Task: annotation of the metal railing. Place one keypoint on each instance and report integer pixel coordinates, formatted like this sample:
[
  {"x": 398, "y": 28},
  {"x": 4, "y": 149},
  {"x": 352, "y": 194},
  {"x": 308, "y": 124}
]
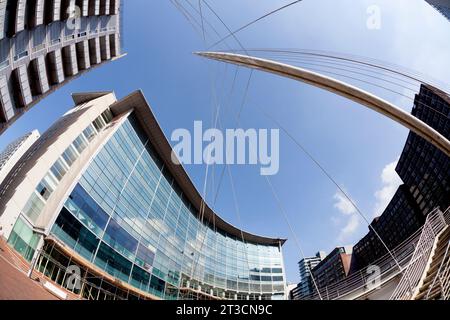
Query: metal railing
[
  {"x": 443, "y": 274},
  {"x": 69, "y": 37},
  {"x": 416, "y": 268},
  {"x": 357, "y": 283},
  {"x": 39, "y": 47},
  {"x": 21, "y": 55},
  {"x": 445, "y": 278},
  {"x": 55, "y": 41},
  {"x": 4, "y": 64}
]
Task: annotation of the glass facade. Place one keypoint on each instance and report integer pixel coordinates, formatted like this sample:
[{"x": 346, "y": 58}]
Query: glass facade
[
  {"x": 23, "y": 240},
  {"x": 44, "y": 190},
  {"x": 128, "y": 216}
]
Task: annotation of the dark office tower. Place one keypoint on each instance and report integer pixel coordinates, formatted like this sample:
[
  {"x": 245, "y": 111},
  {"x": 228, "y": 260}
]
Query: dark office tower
[
  {"x": 333, "y": 267},
  {"x": 443, "y": 6},
  {"x": 424, "y": 169},
  {"x": 400, "y": 219},
  {"x": 46, "y": 43}
]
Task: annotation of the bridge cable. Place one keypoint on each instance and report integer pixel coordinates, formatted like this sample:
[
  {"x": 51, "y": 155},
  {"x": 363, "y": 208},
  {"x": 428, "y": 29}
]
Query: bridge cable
[{"x": 232, "y": 33}]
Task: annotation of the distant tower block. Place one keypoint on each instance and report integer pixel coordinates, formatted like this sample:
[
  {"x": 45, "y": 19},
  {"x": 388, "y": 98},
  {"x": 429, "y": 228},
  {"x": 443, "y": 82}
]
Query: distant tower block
[{"x": 42, "y": 47}]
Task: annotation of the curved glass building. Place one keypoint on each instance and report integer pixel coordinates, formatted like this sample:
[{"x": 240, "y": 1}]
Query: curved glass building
[{"x": 98, "y": 193}]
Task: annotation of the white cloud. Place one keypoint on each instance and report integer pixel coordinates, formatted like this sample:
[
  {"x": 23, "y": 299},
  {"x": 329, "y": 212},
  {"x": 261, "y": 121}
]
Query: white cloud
[
  {"x": 349, "y": 212},
  {"x": 350, "y": 228},
  {"x": 343, "y": 204},
  {"x": 390, "y": 183}
]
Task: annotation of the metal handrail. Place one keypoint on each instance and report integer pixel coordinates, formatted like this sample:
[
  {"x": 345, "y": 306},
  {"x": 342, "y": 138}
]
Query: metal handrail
[
  {"x": 358, "y": 280},
  {"x": 389, "y": 269},
  {"x": 445, "y": 280},
  {"x": 442, "y": 271},
  {"x": 39, "y": 47},
  {"x": 4, "y": 64},
  {"x": 413, "y": 274},
  {"x": 21, "y": 55}
]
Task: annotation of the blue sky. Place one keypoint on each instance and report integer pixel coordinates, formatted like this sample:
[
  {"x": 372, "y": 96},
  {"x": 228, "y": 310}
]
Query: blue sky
[{"x": 357, "y": 146}]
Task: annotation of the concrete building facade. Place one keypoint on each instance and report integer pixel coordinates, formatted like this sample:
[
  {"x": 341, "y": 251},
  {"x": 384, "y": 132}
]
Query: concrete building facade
[
  {"x": 46, "y": 43},
  {"x": 14, "y": 151},
  {"x": 306, "y": 286},
  {"x": 443, "y": 6}
]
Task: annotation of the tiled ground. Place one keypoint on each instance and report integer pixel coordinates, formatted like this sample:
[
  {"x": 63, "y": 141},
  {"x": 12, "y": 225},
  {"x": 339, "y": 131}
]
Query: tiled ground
[{"x": 14, "y": 284}]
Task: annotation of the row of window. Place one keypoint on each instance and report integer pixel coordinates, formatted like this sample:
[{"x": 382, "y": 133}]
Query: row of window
[{"x": 48, "y": 184}]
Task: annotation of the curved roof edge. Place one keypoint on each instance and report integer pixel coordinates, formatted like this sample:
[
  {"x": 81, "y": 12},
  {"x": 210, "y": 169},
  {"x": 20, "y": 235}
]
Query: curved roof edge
[{"x": 150, "y": 125}]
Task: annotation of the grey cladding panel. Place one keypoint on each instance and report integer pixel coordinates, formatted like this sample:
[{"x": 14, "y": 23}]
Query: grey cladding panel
[
  {"x": 105, "y": 48},
  {"x": 94, "y": 7},
  {"x": 94, "y": 49},
  {"x": 56, "y": 66},
  {"x": 41, "y": 72},
  {"x": 56, "y": 13},
  {"x": 24, "y": 84},
  {"x": 70, "y": 60},
  {"x": 115, "y": 45},
  {"x": 5, "y": 99},
  {"x": 84, "y": 61},
  {"x": 39, "y": 12},
  {"x": 105, "y": 7},
  {"x": 115, "y": 5},
  {"x": 20, "y": 15},
  {"x": 2, "y": 18}
]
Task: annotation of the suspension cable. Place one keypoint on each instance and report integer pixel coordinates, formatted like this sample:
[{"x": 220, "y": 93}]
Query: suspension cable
[
  {"x": 225, "y": 25},
  {"x": 232, "y": 33},
  {"x": 330, "y": 177},
  {"x": 285, "y": 216}
]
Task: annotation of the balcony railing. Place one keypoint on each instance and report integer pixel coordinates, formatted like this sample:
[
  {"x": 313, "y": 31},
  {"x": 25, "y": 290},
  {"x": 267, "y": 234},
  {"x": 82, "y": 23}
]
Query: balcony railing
[
  {"x": 38, "y": 48},
  {"x": 69, "y": 37},
  {"x": 21, "y": 55},
  {"x": 443, "y": 274},
  {"x": 356, "y": 284},
  {"x": 55, "y": 41},
  {"x": 412, "y": 276},
  {"x": 4, "y": 64},
  {"x": 445, "y": 277}
]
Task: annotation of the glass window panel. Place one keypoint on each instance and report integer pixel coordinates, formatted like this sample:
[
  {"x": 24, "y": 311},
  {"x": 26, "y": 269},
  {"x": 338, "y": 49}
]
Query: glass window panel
[
  {"x": 120, "y": 239},
  {"x": 70, "y": 155},
  {"x": 89, "y": 133},
  {"x": 80, "y": 143},
  {"x": 47, "y": 186},
  {"x": 34, "y": 207},
  {"x": 74, "y": 234},
  {"x": 59, "y": 169}
]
